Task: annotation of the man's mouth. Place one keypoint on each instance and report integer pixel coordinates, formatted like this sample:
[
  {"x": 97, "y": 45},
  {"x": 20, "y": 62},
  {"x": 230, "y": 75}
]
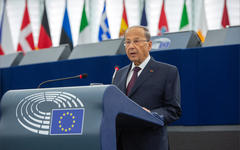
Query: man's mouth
[{"x": 132, "y": 53}]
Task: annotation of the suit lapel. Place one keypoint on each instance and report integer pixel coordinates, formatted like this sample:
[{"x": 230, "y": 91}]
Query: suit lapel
[
  {"x": 124, "y": 78},
  {"x": 146, "y": 74}
]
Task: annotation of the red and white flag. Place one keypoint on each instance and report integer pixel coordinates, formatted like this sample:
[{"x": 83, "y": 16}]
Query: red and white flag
[
  {"x": 225, "y": 19},
  {"x": 26, "y": 42},
  {"x": 162, "y": 25}
]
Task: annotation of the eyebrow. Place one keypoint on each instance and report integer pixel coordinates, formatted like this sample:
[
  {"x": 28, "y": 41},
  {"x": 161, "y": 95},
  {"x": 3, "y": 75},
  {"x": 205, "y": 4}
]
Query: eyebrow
[{"x": 137, "y": 38}]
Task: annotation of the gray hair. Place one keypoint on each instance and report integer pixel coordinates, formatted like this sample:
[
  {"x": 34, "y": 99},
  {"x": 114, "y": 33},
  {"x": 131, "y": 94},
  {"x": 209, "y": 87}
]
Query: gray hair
[{"x": 147, "y": 33}]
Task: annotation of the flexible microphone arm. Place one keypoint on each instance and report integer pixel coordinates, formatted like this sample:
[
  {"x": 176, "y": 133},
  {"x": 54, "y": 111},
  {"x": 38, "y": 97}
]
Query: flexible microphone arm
[{"x": 81, "y": 76}]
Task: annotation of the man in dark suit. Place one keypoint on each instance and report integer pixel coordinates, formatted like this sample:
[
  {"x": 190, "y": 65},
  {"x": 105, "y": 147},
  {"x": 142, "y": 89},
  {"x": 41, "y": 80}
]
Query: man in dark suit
[{"x": 153, "y": 85}]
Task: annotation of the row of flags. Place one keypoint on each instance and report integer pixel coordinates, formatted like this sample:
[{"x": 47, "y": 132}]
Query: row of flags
[
  {"x": 26, "y": 42},
  {"x": 202, "y": 28}
]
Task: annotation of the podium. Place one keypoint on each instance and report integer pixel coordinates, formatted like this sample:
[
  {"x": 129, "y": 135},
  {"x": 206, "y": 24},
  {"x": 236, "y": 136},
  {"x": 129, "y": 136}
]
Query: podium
[{"x": 82, "y": 117}]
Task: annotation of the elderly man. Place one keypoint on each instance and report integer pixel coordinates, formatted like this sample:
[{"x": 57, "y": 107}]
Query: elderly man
[{"x": 153, "y": 85}]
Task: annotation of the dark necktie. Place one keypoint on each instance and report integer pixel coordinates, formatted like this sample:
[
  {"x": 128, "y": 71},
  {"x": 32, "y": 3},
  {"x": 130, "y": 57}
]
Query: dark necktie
[{"x": 133, "y": 79}]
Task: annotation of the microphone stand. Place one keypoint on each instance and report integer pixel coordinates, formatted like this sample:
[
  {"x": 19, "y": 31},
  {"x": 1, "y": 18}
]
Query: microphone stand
[{"x": 60, "y": 79}]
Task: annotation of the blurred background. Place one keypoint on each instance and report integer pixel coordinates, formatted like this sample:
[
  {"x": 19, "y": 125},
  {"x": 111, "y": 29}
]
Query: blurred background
[
  {"x": 200, "y": 37},
  {"x": 114, "y": 10}
]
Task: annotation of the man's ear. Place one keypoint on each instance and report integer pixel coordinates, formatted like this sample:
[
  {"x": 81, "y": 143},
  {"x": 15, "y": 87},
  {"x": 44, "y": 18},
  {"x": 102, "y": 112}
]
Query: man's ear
[{"x": 149, "y": 45}]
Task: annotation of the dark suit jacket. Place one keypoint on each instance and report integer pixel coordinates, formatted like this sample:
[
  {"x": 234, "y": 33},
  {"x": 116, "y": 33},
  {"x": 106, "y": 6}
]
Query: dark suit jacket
[{"x": 158, "y": 89}]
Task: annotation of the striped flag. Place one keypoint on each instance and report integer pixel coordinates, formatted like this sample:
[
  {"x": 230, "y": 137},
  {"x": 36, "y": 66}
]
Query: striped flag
[
  {"x": 84, "y": 36},
  {"x": 124, "y": 22},
  {"x": 6, "y": 45},
  {"x": 104, "y": 32},
  {"x": 162, "y": 25},
  {"x": 26, "y": 42},
  {"x": 44, "y": 40},
  {"x": 184, "y": 25},
  {"x": 144, "y": 17},
  {"x": 202, "y": 24},
  {"x": 225, "y": 19},
  {"x": 66, "y": 34}
]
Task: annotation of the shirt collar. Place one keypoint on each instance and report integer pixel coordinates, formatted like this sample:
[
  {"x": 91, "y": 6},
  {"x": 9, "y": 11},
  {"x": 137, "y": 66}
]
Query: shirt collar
[{"x": 143, "y": 64}]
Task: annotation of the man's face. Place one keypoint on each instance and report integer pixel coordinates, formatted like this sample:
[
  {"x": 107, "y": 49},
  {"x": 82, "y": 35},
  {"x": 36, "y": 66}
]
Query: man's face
[{"x": 136, "y": 45}]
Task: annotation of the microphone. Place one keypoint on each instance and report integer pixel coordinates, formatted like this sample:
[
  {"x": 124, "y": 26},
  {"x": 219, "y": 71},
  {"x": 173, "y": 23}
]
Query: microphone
[
  {"x": 116, "y": 68},
  {"x": 81, "y": 76}
]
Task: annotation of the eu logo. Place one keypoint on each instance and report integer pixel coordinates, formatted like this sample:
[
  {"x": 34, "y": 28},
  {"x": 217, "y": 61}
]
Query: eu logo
[{"x": 67, "y": 121}]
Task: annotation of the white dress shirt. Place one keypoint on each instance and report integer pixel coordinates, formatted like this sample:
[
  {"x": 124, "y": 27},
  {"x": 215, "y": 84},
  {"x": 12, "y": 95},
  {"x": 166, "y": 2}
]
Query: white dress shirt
[{"x": 142, "y": 66}]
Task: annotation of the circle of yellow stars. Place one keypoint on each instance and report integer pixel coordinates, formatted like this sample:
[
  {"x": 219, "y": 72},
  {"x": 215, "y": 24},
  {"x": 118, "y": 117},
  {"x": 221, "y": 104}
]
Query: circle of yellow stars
[{"x": 67, "y": 114}]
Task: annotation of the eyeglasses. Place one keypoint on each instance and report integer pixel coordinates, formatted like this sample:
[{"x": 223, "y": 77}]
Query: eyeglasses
[{"x": 135, "y": 42}]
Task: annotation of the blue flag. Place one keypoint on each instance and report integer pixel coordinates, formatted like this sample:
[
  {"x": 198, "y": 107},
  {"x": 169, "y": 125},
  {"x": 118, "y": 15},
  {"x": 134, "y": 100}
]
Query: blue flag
[
  {"x": 66, "y": 34},
  {"x": 144, "y": 18},
  {"x": 67, "y": 121},
  {"x": 104, "y": 32}
]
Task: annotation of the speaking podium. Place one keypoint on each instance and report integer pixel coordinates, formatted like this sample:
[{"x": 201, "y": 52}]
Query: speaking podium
[{"x": 83, "y": 117}]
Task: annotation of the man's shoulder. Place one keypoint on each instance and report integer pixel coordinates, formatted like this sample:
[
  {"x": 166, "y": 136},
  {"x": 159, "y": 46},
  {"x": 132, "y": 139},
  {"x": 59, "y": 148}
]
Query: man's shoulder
[
  {"x": 124, "y": 68},
  {"x": 163, "y": 65},
  {"x": 169, "y": 70}
]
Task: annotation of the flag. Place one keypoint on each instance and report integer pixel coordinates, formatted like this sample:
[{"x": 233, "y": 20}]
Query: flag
[
  {"x": 184, "y": 25},
  {"x": 162, "y": 25},
  {"x": 6, "y": 46},
  {"x": 144, "y": 18},
  {"x": 26, "y": 42},
  {"x": 84, "y": 33},
  {"x": 124, "y": 22},
  {"x": 104, "y": 32},
  {"x": 225, "y": 19},
  {"x": 67, "y": 121},
  {"x": 202, "y": 24},
  {"x": 66, "y": 34},
  {"x": 44, "y": 40}
]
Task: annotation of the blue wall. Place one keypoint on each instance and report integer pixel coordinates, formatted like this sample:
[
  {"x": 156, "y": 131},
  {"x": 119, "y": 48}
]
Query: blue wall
[{"x": 210, "y": 80}]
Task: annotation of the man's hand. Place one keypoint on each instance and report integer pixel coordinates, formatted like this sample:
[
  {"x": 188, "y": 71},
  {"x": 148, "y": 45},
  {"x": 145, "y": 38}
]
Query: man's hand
[{"x": 146, "y": 109}]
